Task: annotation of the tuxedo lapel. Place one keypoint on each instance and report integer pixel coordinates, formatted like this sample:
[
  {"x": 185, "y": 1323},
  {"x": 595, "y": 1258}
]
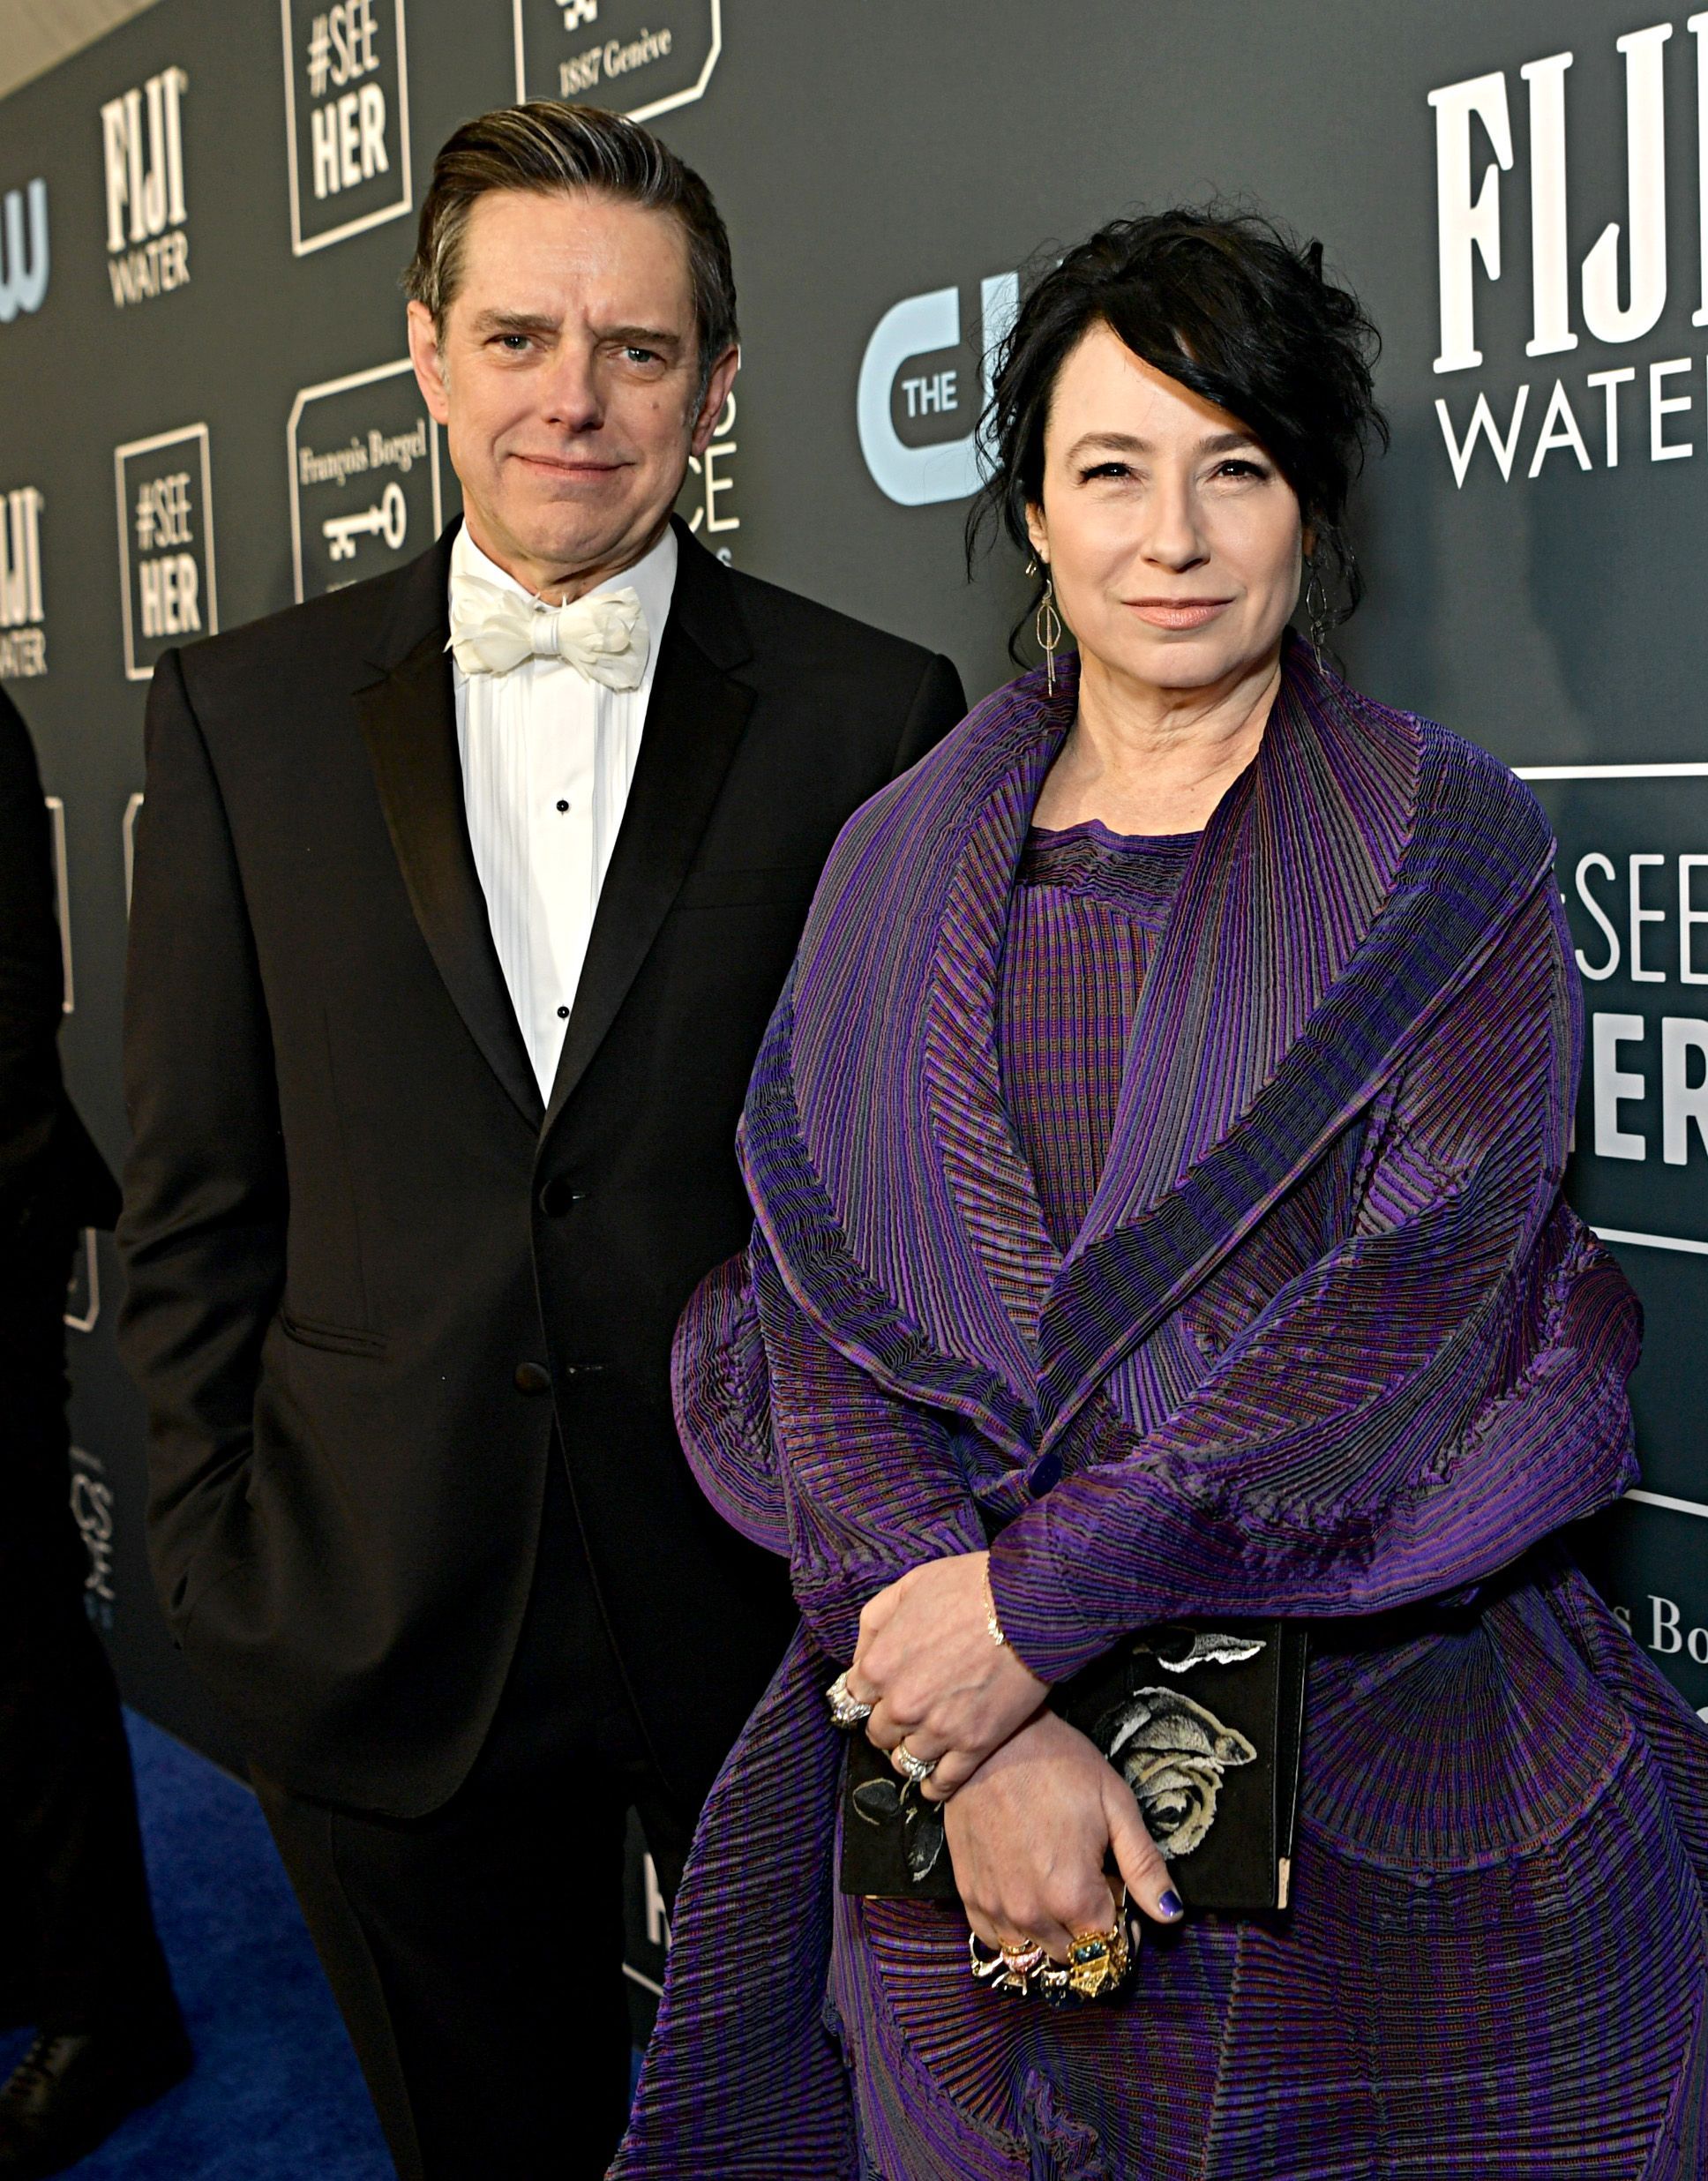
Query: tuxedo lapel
[
  {"x": 409, "y": 717},
  {"x": 695, "y": 719}
]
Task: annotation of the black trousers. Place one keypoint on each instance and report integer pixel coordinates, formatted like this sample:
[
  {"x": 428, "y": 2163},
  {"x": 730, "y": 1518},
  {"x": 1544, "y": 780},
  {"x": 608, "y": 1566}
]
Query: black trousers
[
  {"x": 77, "y": 1949},
  {"x": 477, "y": 1953}
]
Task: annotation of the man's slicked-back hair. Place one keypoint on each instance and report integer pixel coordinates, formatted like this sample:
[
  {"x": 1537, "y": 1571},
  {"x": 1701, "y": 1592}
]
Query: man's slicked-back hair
[{"x": 548, "y": 147}]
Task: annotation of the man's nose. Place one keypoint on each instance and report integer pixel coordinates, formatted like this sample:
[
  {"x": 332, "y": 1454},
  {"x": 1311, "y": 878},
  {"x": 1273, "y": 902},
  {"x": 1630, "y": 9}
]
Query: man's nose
[{"x": 570, "y": 391}]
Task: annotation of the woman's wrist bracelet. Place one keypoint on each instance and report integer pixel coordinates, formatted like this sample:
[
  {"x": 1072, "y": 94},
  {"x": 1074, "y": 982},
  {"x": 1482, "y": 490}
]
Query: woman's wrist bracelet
[{"x": 991, "y": 1621}]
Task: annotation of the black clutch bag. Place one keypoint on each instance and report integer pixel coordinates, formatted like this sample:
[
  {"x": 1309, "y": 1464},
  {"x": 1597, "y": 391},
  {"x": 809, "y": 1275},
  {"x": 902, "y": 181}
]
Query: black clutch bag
[{"x": 1203, "y": 1721}]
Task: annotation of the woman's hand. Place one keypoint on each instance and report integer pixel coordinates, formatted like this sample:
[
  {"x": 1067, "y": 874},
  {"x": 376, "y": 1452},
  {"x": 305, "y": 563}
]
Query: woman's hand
[
  {"x": 1030, "y": 1836},
  {"x": 936, "y": 1680}
]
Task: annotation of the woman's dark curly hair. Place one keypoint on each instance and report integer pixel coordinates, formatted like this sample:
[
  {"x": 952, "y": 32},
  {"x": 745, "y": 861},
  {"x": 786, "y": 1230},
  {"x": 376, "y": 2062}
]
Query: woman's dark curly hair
[{"x": 1229, "y": 306}]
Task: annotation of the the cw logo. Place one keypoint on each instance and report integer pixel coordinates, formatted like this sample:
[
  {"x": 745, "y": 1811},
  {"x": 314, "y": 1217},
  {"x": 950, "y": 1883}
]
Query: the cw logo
[
  {"x": 926, "y": 325},
  {"x": 24, "y": 272}
]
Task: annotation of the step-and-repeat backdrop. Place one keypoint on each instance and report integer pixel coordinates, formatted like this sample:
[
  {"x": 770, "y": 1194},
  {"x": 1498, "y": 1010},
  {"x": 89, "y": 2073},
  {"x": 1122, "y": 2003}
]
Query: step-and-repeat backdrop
[{"x": 205, "y": 413}]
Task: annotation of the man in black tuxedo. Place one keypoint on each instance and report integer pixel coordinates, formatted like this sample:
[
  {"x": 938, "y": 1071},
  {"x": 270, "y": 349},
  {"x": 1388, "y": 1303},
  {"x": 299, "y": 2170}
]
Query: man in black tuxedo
[
  {"x": 446, "y": 980},
  {"x": 78, "y": 1958}
]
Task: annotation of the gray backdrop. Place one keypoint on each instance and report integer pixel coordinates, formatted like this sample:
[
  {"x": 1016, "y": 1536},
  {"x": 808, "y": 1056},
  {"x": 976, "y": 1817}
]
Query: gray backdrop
[{"x": 203, "y": 416}]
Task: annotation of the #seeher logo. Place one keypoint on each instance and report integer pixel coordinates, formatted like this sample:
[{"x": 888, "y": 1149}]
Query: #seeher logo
[
  {"x": 166, "y": 544},
  {"x": 347, "y": 118}
]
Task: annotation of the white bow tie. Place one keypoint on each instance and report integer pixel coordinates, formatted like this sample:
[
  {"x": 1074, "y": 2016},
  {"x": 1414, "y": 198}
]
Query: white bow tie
[{"x": 603, "y": 636}]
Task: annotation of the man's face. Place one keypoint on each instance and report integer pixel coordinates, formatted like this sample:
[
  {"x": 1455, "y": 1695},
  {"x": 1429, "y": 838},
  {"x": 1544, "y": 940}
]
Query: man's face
[{"x": 566, "y": 380}]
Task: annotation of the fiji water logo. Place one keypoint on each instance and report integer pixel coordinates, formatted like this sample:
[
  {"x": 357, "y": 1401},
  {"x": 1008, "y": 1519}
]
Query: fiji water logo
[
  {"x": 1611, "y": 283},
  {"x": 22, "y": 637},
  {"x": 142, "y": 153}
]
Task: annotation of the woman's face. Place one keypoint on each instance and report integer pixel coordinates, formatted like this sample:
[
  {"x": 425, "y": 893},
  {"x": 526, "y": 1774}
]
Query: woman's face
[{"x": 1173, "y": 539}]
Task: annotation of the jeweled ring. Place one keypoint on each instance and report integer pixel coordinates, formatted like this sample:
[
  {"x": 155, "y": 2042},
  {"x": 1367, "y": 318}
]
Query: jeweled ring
[
  {"x": 1098, "y": 1961},
  {"x": 1095, "y": 1968},
  {"x": 1006, "y": 1969},
  {"x": 846, "y": 1710},
  {"x": 917, "y": 1769},
  {"x": 1054, "y": 1984}
]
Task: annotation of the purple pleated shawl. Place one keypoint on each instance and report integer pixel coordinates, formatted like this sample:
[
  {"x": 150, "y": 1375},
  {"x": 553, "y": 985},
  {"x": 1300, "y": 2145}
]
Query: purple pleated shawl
[{"x": 1328, "y": 1344}]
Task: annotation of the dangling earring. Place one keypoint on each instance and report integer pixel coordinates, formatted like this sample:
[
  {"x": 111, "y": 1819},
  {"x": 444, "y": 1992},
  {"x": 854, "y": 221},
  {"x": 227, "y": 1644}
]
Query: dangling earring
[
  {"x": 1316, "y": 607},
  {"x": 1046, "y": 625}
]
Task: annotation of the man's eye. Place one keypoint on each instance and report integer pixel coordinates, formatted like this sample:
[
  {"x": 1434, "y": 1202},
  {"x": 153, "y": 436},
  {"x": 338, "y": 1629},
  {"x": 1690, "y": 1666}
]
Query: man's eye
[
  {"x": 513, "y": 344},
  {"x": 640, "y": 355}
]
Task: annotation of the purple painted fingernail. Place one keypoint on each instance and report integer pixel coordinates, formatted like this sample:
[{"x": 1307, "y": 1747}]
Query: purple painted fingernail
[{"x": 1171, "y": 1905}]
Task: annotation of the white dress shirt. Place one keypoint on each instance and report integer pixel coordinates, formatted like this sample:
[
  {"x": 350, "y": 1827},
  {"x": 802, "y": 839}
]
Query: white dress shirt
[{"x": 547, "y": 760}]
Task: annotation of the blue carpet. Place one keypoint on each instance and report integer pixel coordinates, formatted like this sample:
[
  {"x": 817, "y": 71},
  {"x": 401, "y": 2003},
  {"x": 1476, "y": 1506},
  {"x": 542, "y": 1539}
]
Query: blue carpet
[{"x": 276, "y": 2095}]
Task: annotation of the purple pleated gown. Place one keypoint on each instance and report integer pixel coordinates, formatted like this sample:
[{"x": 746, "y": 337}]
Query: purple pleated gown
[{"x": 1187, "y": 1213}]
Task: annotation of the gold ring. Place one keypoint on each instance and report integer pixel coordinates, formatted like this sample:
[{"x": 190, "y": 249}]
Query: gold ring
[
  {"x": 1095, "y": 1968},
  {"x": 1006, "y": 1969},
  {"x": 1098, "y": 1961}
]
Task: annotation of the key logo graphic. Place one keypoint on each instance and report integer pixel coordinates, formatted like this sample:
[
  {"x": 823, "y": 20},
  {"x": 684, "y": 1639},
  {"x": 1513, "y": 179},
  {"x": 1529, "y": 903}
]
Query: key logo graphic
[{"x": 366, "y": 479}]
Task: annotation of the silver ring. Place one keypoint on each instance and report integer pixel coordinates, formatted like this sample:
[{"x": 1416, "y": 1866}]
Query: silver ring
[
  {"x": 916, "y": 1768},
  {"x": 846, "y": 1710}
]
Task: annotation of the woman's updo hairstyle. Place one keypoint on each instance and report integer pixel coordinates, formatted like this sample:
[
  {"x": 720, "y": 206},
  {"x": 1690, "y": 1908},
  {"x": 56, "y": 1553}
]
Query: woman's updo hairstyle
[{"x": 1228, "y": 305}]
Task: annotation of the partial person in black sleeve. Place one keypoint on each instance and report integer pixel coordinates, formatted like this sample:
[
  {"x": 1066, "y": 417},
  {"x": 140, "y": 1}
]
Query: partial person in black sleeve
[{"x": 79, "y": 1962}]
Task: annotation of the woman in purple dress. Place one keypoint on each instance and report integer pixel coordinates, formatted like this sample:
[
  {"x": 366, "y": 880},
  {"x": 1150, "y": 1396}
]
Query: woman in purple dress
[{"x": 1156, "y": 1162}]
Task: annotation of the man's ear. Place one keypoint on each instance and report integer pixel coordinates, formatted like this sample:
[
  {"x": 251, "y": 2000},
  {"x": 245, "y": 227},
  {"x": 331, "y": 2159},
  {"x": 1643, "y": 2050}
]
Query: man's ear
[
  {"x": 429, "y": 365},
  {"x": 722, "y": 377}
]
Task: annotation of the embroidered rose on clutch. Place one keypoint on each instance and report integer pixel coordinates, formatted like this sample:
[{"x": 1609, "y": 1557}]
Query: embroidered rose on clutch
[{"x": 1172, "y": 1753}]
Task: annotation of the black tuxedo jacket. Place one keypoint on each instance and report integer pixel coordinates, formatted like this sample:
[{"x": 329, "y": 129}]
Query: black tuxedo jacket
[
  {"x": 367, "y": 1272},
  {"x": 49, "y": 1170}
]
